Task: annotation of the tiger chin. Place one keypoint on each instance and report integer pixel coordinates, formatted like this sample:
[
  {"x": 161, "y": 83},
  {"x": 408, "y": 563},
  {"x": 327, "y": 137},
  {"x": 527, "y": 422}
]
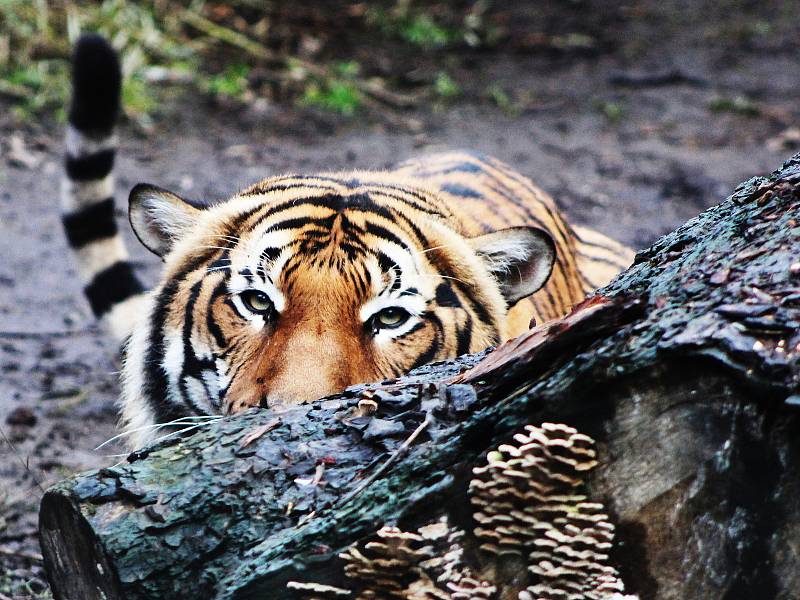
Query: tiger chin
[{"x": 302, "y": 285}]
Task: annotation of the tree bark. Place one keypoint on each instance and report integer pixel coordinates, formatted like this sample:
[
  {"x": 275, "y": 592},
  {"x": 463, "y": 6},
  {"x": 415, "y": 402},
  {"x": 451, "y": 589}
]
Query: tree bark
[{"x": 685, "y": 370}]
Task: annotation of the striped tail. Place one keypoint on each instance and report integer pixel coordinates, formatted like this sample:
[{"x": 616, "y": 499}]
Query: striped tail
[{"x": 87, "y": 200}]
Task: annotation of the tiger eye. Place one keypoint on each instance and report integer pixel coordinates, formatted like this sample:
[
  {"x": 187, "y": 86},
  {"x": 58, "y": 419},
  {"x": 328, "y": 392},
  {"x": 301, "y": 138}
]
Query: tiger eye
[
  {"x": 392, "y": 317},
  {"x": 257, "y": 301}
]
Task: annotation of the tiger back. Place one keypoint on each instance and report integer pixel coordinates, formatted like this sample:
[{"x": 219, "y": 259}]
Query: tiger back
[{"x": 488, "y": 195}]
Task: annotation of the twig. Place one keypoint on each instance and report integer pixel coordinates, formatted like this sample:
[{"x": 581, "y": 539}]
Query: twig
[
  {"x": 21, "y": 554},
  {"x": 38, "y": 335},
  {"x": 395, "y": 455},
  {"x": 234, "y": 38},
  {"x": 14, "y": 90},
  {"x": 380, "y": 93},
  {"x": 671, "y": 77},
  {"x": 24, "y": 463}
]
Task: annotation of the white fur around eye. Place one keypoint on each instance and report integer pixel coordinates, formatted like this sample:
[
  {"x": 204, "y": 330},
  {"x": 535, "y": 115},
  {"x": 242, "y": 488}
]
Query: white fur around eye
[
  {"x": 415, "y": 305},
  {"x": 239, "y": 284},
  {"x": 385, "y": 335},
  {"x": 248, "y": 257}
]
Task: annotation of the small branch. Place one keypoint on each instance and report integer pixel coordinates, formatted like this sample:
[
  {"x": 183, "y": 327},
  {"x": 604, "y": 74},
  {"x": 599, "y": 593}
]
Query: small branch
[
  {"x": 380, "y": 93},
  {"x": 234, "y": 38},
  {"x": 229, "y": 36},
  {"x": 22, "y": 461},
  {"x": 641, "y": 80},
  {"x": 395, "y": 455},
  {"x": 13, "y": 90},
  {"x": 40, "y": 335},
  {"x": 35, "y": 556}
]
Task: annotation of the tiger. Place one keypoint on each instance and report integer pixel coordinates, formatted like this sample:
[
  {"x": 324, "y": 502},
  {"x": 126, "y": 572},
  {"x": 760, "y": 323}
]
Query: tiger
[{"x": 299, "y": 286}]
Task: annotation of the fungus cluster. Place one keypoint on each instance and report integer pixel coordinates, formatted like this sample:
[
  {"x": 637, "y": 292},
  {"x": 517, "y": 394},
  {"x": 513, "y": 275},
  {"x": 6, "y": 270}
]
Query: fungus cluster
[
  {"x": 536, "y": 529},
  {"x": 386, "y": 566},
  {"x": 529, "y": 506},
  {"x": 424, "y": 565},
  {"x": 395, "y": 564}
]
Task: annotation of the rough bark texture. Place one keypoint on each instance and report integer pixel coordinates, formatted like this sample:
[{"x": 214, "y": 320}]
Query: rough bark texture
[{"x": 685, "y": 370}]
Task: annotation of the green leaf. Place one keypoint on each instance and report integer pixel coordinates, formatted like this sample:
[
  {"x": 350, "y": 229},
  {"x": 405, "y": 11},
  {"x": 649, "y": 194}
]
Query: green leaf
[
  {"x": 445, "y": 86},
  {"x": 334, "y": 95}
]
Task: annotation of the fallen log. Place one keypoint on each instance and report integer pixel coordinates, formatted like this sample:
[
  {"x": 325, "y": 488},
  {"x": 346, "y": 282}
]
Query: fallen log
[{"x": 685, "y": 371}]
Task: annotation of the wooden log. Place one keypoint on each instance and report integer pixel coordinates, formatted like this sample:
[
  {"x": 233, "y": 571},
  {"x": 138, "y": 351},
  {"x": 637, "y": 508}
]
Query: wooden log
[{"x": 685, "y": 370}]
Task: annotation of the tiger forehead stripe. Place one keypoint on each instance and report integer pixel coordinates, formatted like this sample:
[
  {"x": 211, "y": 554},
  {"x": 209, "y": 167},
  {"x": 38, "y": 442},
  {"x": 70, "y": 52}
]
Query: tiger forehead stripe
[
  {"x": 397, "y": 198},
  {"x": 344, "y": 180},
  {"x": 348, "y": 197},
  {"x": 287, "y": 183},
  {"x": 297, "y": 216}
]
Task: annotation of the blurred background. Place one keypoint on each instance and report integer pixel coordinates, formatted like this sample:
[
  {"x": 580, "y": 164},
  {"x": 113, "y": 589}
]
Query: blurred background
[{"x": 634, "y": 115}]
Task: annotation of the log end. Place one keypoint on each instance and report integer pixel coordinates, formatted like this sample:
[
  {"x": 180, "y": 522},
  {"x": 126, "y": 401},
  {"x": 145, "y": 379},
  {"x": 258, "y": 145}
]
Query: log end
[{"x": 75, "y": 562}]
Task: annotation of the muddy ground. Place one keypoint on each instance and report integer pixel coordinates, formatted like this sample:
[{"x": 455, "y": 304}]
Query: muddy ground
[{"x": 625, "y": 137}]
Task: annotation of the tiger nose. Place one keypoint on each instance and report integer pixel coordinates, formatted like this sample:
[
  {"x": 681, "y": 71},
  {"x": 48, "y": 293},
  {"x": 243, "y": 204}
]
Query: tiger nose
[{"x": 311, "y": 367}]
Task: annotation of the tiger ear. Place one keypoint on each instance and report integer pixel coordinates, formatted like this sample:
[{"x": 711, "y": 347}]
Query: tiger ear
[
  {"x": 521, "y": 258},
  {"x": 159, "y": 218}
]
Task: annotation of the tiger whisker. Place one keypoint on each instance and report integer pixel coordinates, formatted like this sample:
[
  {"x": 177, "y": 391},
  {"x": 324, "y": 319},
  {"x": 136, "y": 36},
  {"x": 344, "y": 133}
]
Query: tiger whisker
[
  {"x": 214, "y": 247},
  {"x": 453, "y": 278},
  {"x": 230, "y": 241},
  {"x": 432, "y": 248},
  {"x": 232, "y": 238},
  {"x": 174, "y": 433},
  {"x": 443, "y": 277},
  {"x": 226, "y": 262},
  {"x": 206, "y": 419}
]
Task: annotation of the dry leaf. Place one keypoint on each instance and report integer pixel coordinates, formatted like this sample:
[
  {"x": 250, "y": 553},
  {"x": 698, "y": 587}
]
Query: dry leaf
[{"x": 258, "y": 432}]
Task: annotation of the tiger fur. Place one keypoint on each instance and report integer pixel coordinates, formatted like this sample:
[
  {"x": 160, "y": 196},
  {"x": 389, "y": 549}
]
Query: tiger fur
[{"x": 299, "y": 286}]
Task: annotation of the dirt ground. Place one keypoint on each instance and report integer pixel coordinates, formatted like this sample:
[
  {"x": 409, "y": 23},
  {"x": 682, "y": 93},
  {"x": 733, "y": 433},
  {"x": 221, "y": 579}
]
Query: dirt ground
[{"x": 681, "y": 103}]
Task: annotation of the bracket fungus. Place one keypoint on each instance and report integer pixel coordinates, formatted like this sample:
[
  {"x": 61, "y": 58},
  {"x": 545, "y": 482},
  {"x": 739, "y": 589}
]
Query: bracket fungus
[
  {"x": 529, "y": 504},
  {"x": 394, "y": 564},
  {"x": 531, "y": 517}
]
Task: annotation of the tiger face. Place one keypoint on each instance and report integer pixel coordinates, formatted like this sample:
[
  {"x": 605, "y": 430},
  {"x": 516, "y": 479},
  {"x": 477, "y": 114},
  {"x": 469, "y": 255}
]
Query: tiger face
[{"x": 299, "y": 287}]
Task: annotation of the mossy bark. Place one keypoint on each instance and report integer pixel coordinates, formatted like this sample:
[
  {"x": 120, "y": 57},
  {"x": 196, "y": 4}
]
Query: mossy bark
[{"x": 685, "y": 370}]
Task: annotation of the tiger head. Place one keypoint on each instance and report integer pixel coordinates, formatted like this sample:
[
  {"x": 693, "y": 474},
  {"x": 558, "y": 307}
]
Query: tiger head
[{"x": 297, "y": 287}]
